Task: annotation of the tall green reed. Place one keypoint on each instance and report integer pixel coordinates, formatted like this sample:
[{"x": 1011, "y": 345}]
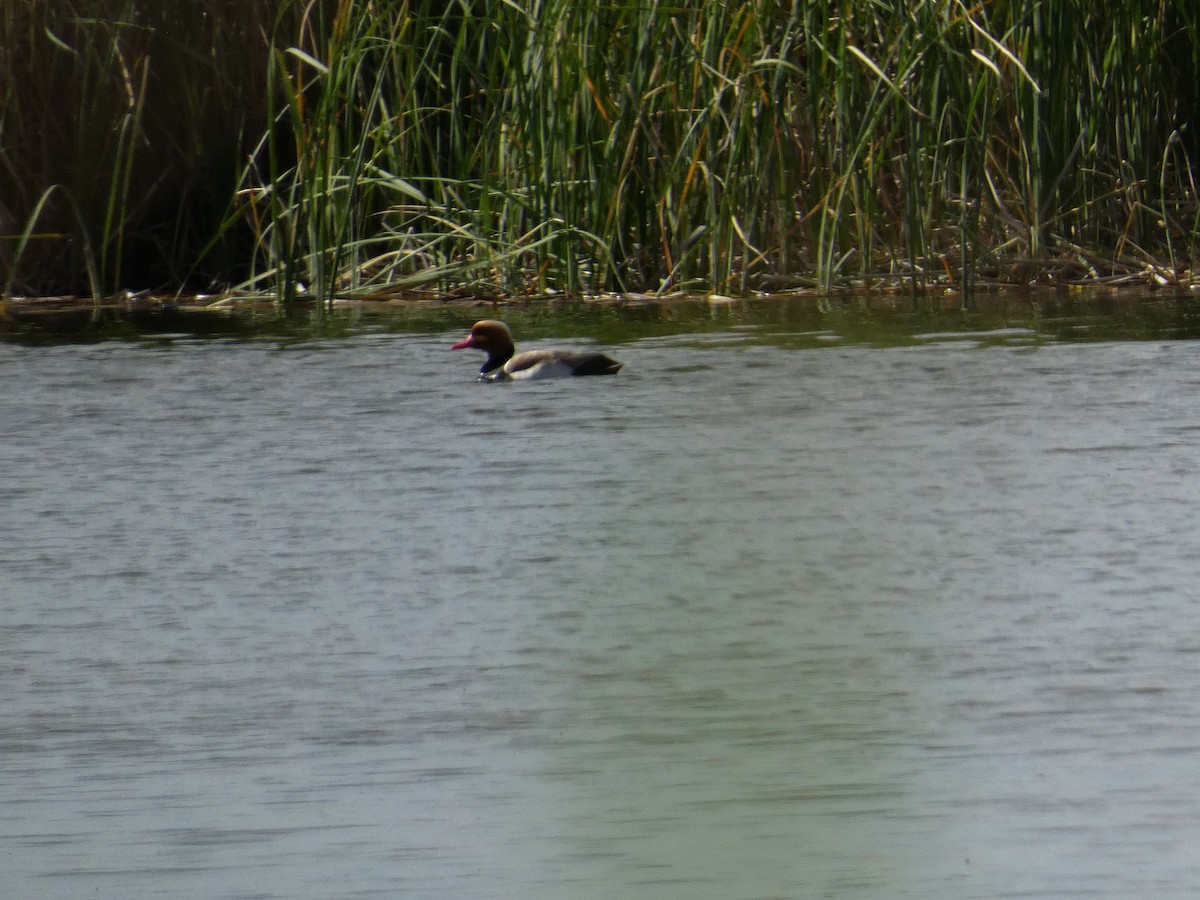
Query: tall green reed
[
  {"x": 122, "y": 129},
  {"x": 516, "y": 146}
]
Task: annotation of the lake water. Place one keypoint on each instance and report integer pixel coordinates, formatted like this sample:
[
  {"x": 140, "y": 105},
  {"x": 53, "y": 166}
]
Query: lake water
[{"x": 806, "y": 602}]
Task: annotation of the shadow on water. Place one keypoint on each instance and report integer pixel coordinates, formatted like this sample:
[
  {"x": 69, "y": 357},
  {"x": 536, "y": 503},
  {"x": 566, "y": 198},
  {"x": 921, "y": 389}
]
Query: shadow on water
[{"x": 792, "y": 321}]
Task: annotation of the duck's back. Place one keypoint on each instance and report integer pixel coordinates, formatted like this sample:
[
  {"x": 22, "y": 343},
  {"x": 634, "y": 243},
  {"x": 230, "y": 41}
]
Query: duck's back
[{"x": 533, "y": 364}]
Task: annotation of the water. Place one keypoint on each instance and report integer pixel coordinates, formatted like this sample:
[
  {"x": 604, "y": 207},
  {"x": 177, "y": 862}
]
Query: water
[{"x": 754, "y": 619}]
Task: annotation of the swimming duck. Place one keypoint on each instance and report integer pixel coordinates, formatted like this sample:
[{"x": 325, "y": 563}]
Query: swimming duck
[{"x": 505, "y": 364}]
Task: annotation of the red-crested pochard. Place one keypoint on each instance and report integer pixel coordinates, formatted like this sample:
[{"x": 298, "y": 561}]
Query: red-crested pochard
[{"x": 504, "y": 364}]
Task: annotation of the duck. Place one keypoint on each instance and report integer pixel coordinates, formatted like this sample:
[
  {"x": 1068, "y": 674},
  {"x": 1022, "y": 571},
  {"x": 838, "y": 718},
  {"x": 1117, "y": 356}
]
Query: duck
[{"x": 505, "y": 364}]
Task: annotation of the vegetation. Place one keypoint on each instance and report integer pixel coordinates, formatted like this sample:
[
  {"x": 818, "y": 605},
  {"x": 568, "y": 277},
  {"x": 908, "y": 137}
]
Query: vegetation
[{"x": 363, "y": 147}]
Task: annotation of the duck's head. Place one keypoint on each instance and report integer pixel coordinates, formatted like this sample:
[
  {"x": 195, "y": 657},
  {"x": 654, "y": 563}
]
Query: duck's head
[
  {"x": 487, "y": 335},
  {"x": 493, "y": 338}
]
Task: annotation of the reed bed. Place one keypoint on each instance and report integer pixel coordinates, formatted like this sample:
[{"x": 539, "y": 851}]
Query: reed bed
[{"x": 365, "y": 147}]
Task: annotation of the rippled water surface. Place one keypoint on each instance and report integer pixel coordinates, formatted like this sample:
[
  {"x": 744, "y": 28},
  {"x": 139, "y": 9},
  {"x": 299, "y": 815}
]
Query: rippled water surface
[{"x": 775, "y": 613}]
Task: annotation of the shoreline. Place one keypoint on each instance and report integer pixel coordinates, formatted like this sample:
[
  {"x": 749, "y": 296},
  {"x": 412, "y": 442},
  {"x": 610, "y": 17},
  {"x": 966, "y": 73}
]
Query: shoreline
[{"x": 149, "y": 302}]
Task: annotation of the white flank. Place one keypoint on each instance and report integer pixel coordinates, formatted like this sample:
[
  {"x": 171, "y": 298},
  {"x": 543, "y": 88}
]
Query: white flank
[{"x": 555, "y": 369}]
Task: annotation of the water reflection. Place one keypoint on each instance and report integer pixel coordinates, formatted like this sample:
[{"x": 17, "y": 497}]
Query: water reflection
[
  {"x": 797, "y": 321},
  {"x": 750, "y": 620}
]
